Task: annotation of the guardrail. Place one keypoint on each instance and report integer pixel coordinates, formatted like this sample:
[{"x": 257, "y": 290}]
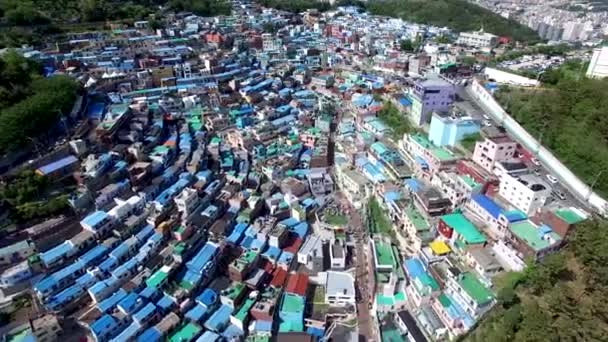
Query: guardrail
[{"x": 567, "y": 178}]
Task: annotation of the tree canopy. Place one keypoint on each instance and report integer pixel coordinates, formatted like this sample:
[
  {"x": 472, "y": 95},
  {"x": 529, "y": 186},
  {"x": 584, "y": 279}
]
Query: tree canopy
[
  {"x": 29, "y": 104},
  {"x": 26, "y": 13},
  {"x": 459, "y": 15},
  {"x": 561, "y": 299},
  {"x": 27, "y": 198},
  {"x": 569, "y": 118}
]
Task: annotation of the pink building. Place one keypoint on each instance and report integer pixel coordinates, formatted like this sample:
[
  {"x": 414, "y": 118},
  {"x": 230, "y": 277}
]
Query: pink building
[{"x": 492, "y": 150}]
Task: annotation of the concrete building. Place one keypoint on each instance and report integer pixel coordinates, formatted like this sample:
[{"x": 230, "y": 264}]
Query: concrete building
[
  {"x": 449, "y": 129},
  {"x": 17, "y": 252},
  {"x": 492, "y": 150},
  {"x": 527, "y": 193},
  {"x": 598, "y": 66},
  {"x": 430, "y": 95},
  {"x": 340, "y": 288},
  {"x": 477, "y": 39},
  {"x": 470, "y": 294}
]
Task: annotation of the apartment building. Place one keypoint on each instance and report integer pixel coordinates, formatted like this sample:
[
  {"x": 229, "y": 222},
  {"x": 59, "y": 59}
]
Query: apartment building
[
  {"x": 492, "y": 150},
  {"x": 527, "y": 193}
]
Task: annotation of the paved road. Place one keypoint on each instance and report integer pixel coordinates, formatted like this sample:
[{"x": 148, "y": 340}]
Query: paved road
[
  {"x": 475, "y": 109},
  {"x": 364, "y": 277}
]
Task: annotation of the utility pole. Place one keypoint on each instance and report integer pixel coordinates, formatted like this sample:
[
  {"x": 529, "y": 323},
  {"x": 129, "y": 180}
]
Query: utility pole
[{"x": 597, "y": 177}]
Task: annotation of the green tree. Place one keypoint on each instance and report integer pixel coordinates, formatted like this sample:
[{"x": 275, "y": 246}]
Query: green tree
[{"x": 406, "y": 45}]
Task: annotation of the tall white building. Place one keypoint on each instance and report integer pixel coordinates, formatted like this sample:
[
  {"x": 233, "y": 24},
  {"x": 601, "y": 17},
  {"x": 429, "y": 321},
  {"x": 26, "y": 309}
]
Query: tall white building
[
  {"x": 478, "y": 39},
  {"x": 527, "y": 192},
  {"x": 598, "y": 66}
]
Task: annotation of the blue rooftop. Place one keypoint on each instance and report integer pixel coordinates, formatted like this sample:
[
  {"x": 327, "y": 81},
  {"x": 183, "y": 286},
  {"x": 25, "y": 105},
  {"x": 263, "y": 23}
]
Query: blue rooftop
[
  {"x": 166, "y": 302},
  {"x": 150, "y": 335},
  {"x": 219, "y": 318},
  {"x": 107, "y": 304},
  {"x": 57, "y": 165},
  {"x": 128, "y": 334},
  {"x": 103, "y": 325},
  {"x": 414, "y": 267},
  {"x": 204, "y": 255},
  {"x": 487, "y": 204},
  {"x": 56, "y": 253},
  {"x": 144, "y": 233},
  {"x": 197, "y": 313},
  {"x": 144, "y": 314},
  {"x": 94, "y": 219},
  {"x": 131, "y": 303},
  {"x": 208, "y": 297},
  {"x": 95, "y": 253},
  {"x": 208, "y": 336}
]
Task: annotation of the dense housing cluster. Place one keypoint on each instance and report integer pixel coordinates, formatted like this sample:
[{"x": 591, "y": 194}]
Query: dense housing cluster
[{"x": 237, "y": 178}]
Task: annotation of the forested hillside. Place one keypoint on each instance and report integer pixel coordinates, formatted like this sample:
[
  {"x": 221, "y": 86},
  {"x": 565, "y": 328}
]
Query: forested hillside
[
  {"x": 459, "y": 15},
  {"x": 569, "y": 116},
  {"x": 33, "y": 12},
  {"x": 561, "y": 299},
  {"x": 30, "y": 104}
]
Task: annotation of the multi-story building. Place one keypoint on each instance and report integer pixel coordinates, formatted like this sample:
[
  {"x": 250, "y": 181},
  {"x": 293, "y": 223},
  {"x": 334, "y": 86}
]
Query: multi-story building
[
  {"x": 470, "y": 294},
  {"x": 457, "y": 188},
  {"x": 427, "y": 157},
  {"x": 339, "y": 288},
  {"x": 492, "y": 150},
  {"x": 598, "y": 66},
  {"x": 478, "y": 39},
  {"x": 449, "y": 129},
  {"x": 17, "y": 252},
  {"x": 354, "y": 185},
  {"x": 527, "y": 192},
  {"x": 430, "y": 95}
]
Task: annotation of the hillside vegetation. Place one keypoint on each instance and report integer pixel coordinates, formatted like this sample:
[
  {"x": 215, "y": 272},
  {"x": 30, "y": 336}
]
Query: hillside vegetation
[
  {"x": 561, "y": 299},
  {"x": 459, "y": 15},
  {"x": 29, "y": 21},
  {"x": 569, "y": 117},
  {"x": 32, "y": 12},
  {"x": 30, "y": 105}
]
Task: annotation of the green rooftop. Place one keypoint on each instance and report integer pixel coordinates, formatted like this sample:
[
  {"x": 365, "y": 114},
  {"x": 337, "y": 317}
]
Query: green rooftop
[
  {"x": 392, "y": 335},
  {"x": 179, "y": 249},
  {"x": 292, "y": 303},
  {"x": 474, "y": 288},
  {"x": 186, "y": 333},
  {"x": 385, "y": 300},
  {"x": 384, "y": 254},
  {"x": 335, "y": 219},
  {"x": 291, "y": 326},
  {"x": 569, "y": 216},
  {"x": 444, "y": 300},
  {"x": 157, "y": 278},
  {"x": 258, "y": 338},
  {"x": 21, "y": 336},
  {"x": 234, "y": 290},
  {"x": 530, "y": 234},
  {"x": 244, "y": 310},
  {"x": 469, "y": 181},
  {"x": 464, "y": 228},
  {"x": 419, "y": 222},
  {"x": 439, "y": 153}
]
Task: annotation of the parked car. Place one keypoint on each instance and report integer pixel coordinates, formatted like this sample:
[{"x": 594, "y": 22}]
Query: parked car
[
  {"x": 535, "y": 161},
  {"x": 559, "y": 195},
  {"x": 552, "y": 179},
  {"x": 537, "y": 172}
]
